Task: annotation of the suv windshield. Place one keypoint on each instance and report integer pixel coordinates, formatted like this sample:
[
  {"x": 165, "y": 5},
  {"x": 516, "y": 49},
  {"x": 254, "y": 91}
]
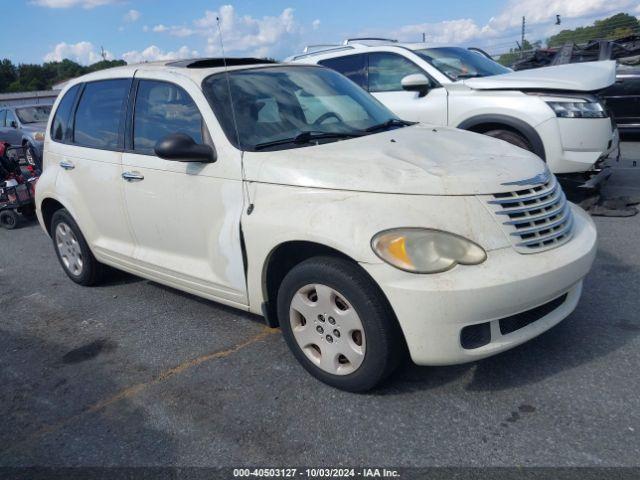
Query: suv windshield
[
  {"x": 34, "y": 114},
  {"x": 458, "y": 63},
  {"x": 288, "y": 107}
]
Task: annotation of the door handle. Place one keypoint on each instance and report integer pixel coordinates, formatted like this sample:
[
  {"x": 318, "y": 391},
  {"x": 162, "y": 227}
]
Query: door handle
[
  {"x": 67, "y": 165},
  {"x": 132, "y": 176}
]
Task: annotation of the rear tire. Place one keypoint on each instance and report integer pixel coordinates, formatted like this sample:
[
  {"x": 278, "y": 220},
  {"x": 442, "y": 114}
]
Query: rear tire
[
  {"x": 73, "y": 252},
  {"x": 9, "y": 219},
  {"x": 338, "y": 324},
  {"x": 510, "y": 137}
]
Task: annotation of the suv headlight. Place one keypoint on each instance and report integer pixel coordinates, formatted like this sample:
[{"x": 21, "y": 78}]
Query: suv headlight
[
  {"x": 38, "y": 136},
  {"x": 578, "y": 109},
  {"x": 424, "y": 250}
]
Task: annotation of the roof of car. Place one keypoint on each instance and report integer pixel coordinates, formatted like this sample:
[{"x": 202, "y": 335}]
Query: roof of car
[
  {"x": 195, "y": 68},
  {"x": 356, "y": 45},
  {"x": 24, "y": 105}
]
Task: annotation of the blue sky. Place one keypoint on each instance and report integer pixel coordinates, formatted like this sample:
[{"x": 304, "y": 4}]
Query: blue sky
[{"x": 139, "y": 30}]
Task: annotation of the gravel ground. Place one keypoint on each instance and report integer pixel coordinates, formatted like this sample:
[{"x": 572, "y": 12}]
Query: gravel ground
[{"x": 136, "y": 374}]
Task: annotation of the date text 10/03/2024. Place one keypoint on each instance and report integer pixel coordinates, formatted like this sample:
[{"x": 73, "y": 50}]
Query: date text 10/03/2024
[{"x": 316, "y": 472}]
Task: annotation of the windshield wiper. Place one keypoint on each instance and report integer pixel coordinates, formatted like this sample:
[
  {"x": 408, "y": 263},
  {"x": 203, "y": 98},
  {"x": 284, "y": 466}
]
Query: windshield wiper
[
  {"x": 392, "y": 122},
  {"x": 306, "y": 137},
  {"x": 462, "y": 76}
]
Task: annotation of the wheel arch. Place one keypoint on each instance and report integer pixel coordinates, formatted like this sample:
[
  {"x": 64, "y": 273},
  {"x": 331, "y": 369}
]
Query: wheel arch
[
  {"x": 281, "y": 259},
  {"x": 48, "y": 207},
  {"x": 484, "y": 123}
]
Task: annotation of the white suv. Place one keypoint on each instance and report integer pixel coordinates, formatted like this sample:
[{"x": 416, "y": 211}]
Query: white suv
[
  {"x": 288, "y": 191},
  {"x": 551, "y": 111}
]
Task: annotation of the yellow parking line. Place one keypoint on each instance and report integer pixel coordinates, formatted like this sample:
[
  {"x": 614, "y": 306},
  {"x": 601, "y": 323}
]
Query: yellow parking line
[{"x": 136, "y": 389}]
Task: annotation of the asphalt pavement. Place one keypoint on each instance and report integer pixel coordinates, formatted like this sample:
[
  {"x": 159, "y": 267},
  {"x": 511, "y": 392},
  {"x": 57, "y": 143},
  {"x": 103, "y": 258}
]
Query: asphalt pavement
[{"x": 136, "y": 374}]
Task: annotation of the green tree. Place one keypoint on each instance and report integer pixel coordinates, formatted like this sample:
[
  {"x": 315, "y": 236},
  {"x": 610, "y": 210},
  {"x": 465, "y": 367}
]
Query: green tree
[
  {"x": 507, "y": 59},
  {"x": 7, "y": 74},
  {"x": 611, "y": 28},
  {"x": 28, "y": 77}
]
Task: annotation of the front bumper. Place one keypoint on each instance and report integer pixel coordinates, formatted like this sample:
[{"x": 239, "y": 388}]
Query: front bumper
[
  {"x": 433, "y": 309},
  {"x": 575, "y": 145}
]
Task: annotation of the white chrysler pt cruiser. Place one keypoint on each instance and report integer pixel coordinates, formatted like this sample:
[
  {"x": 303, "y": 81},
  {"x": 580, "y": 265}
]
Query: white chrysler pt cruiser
[{"x": 288, "y": 191}]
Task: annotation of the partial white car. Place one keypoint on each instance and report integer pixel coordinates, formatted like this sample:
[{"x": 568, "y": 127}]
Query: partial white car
[
  {"x": 553, "y": 112},
  {"x": 289, "y": 192}
]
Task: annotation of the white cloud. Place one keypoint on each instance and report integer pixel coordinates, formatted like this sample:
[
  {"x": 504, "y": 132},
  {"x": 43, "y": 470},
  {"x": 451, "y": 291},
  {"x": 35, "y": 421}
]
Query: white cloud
[
  {"x": 502, "y": 31},
  {"x": 449, "y": 31},
  {"x": 73, "y": 3},
  {"x": 82, "y": 52},
  {"x": 174, "y": 30},
  {"x": 132, "y": 16},
  {"x": 153, "y": 53},
  {"x": 242, "y": 34},
  {"x": 544, "y": 11},
  {"x": 315, "y": 24}
]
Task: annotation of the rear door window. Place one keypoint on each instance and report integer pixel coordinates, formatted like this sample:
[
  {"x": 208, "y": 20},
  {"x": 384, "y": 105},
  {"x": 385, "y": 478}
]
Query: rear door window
[
  {"x": 100, "y": 113},
  {"x": 354, "y": 67},
  {"x": 162, "y": 109},
  {"x": 3, "y": 114},
  {"x": 60, "y": 131}
]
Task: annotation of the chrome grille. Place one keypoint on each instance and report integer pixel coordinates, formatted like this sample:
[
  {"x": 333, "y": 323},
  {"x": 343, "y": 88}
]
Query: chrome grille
[{"x": 536, "y": 218}]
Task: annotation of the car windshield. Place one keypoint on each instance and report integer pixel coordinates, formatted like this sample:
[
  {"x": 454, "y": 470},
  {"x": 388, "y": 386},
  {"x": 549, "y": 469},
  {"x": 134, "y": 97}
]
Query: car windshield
[
  {"x": 288, "y": 107},
  {"x": 458, "y": 63},
  {"x": 38, "y": 114}
]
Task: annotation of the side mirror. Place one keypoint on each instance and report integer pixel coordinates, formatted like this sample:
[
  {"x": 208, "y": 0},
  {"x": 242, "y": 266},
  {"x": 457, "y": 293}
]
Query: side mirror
[
  {"x": 13, "y": 124},
  {"x": 182, "y": 148},
  {"x": 416, "y": 82}
]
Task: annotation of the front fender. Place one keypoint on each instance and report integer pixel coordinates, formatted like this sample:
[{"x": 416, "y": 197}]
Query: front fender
[{"x": 346, "y": 221}]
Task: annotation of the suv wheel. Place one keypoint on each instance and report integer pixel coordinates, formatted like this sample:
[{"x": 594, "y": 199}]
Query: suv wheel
[
  {"x": 510, "y": 137},
  {"x": 338, "y": 325},
  {"x": 72, "y": 250}
]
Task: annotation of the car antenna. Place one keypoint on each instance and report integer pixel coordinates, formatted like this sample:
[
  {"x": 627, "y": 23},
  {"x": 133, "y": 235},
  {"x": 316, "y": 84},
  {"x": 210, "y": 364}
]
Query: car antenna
[{"x": 245, "y": 186}]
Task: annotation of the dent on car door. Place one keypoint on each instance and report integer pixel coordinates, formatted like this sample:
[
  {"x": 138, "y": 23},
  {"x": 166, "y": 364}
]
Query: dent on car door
[
  {"x": 86, "y": 150},
  {"x": 184, "y": 217},
  {"x": 386, "y": 71}
]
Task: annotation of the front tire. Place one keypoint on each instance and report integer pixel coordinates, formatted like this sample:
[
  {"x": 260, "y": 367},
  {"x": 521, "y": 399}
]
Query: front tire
[
  {"x": 338, "y": 324},
  {"x": 73, "y": 251},
  {"x": 510, "y": 137}
]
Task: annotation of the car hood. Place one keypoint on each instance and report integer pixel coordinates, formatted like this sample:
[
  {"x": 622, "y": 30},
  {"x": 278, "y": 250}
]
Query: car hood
[
  {"x": 34, "y": 127},
  {"x": 579, "y": 77},
  {"x": 420, "y": 160}
]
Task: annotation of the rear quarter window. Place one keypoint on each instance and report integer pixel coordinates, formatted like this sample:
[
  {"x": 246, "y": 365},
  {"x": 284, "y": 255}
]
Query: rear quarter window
[{"x": 60, "y": 131}]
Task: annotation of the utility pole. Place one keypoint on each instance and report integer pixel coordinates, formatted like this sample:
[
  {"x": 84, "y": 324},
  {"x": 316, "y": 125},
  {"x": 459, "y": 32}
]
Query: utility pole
[
  {"x": 522, "y": 38},
  {"x": 103, "y": 54},
  {"x": 424, "y": 37}
]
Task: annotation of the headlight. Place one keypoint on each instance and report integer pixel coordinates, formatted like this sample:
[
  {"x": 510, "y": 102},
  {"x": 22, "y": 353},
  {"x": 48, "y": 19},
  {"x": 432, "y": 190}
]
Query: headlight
[
  {"x": 578, "y": 109},
  {"x": 39, "y": 136},
  {"x": 423, "y": 250}
]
